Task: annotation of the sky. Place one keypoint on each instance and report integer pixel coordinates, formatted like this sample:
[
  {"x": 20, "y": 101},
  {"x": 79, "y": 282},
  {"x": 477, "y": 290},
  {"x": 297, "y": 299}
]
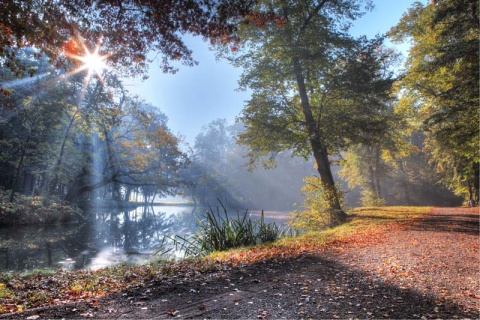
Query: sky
[{"x": 195, "y": 96}]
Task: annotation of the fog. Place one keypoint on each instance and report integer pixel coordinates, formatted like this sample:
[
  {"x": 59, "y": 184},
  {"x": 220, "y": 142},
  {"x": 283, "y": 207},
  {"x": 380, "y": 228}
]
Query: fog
[{"x": 219, "y": 171}]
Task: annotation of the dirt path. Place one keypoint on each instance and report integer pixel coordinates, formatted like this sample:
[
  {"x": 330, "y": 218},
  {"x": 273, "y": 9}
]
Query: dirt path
[
  {"x": 438, "y": 256},
  {"x": 428, "y": 269}
]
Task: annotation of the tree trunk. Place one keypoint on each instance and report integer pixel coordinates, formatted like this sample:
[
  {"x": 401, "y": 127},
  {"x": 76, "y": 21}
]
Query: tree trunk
[
  {"x": 116, "y": 194},
  {"x": 17, "y": 175},
  {"x": 476, "y": 183},
  {"x": 318, "y": 148},
  {"x": 371, "y": 173},
  {"x": 377, "y": 171},
  {"x": 80, "y": 186},
  {"x": 145, "y": 199},
  {"x": 58, "y": 165},
  {"x": 154, "y": 195},
  {"x": 128, "y": 193},
  {"x": 404, "y": 184},
  {"x": 29, "y": 180}
]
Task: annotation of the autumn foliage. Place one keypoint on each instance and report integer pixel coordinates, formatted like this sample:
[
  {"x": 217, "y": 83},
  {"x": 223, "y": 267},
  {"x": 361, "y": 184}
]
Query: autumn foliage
[{"x": 130, "y": 29}]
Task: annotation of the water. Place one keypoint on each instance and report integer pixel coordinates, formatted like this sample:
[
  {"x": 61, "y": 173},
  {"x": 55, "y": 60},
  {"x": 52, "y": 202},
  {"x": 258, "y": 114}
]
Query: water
[{"x": 111, "y": 237}]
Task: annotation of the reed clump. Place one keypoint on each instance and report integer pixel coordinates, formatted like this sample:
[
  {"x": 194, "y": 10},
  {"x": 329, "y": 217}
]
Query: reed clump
[{"x": 219, "y": 231}]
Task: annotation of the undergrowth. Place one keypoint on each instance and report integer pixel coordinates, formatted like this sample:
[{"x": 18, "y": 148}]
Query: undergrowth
[
  {"x": 35, "y": 210},
  {"x": 318, "y": 203}
]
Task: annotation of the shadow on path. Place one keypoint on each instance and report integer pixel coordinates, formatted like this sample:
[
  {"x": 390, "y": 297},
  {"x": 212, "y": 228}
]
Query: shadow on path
[
  {"x": 307, "y": 287},
  {"x": 319, "y": 286},
  {"x": 449, "y": 220}
]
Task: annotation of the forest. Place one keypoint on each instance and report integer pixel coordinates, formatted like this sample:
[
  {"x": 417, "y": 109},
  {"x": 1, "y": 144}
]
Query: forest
[
  {"x": 71, "y": 131},
  {"x": 325, "y": 106},
  {"x": 372, "y": 163}
]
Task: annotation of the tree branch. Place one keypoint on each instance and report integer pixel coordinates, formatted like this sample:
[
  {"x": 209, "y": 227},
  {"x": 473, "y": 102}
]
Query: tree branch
[{"x": 315, "y": 12}]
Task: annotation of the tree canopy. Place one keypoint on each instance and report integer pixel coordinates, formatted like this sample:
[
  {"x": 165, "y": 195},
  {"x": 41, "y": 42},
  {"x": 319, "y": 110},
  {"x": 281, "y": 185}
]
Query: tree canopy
[
  {"x": 71, "y": 138},
  {"x": 316, "y": 89},
  {"x": 127, "y": 30},
  {"x": 441, "y": 85}
]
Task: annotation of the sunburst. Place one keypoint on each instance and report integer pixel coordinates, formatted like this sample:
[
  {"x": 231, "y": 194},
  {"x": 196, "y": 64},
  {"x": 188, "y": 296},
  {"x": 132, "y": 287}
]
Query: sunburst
[
  {"x": 91, "y": 61},
  {"x": 94, "y": 62}
]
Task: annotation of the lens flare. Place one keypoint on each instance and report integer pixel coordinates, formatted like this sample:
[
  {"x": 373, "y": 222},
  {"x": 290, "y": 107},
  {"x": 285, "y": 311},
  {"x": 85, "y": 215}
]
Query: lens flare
[
  {"x": 94, "y": 62},
  {"x": 91, "y": 61}
]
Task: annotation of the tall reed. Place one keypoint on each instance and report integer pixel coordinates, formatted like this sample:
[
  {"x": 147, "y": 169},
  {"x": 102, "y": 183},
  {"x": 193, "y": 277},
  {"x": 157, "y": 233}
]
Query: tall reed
[{"x": 217, "y": 231}]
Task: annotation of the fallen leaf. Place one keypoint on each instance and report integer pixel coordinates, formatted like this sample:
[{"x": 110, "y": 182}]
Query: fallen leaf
[
  {"x": 172, "y": 312},
  {"x": 262, "y": 314},
  {"x": 87, "y": 315}
]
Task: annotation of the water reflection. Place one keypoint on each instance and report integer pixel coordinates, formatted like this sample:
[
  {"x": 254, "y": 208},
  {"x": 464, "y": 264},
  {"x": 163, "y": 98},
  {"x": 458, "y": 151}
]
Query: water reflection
[{"x": 110, "y": 237}]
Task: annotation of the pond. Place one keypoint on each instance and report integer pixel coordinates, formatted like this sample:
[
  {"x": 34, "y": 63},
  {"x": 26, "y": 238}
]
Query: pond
[{"x": 110, "y": 237}]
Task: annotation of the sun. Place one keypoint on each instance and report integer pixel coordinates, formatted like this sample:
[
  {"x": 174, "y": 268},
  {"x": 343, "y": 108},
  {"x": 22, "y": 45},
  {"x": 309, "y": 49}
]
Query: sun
[
  {"x": 91, "y": 61},
  {"x": 94, "y": 62}
]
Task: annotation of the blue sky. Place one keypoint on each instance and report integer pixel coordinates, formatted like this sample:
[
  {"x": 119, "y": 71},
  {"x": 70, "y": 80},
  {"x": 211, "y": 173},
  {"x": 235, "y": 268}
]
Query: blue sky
[{"x": 195, "y": 96}]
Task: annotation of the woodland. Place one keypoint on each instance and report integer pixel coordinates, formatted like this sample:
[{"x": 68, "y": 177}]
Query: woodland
[
  {"x": 333, "y": 122},
  {"x": 71, "y": 132}
]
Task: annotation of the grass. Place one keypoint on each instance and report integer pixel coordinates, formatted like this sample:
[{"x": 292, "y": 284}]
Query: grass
[
  {"x": 363, "y": 221},
  {"x": 20, "y": 292},
  {"x": 363, "y": 225},
  {"x": 217, "y": 231}
]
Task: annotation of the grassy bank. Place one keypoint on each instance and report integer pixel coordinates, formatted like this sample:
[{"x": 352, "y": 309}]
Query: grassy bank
[
  {"x": 20, "y": 292},
  {"x": 364, "y": 225},
  {"x": 39, "y": 210}
]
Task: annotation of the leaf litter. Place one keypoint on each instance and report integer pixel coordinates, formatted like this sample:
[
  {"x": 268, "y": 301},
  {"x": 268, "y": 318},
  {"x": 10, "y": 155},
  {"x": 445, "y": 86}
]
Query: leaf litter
[{"x": 412, "y": 269}]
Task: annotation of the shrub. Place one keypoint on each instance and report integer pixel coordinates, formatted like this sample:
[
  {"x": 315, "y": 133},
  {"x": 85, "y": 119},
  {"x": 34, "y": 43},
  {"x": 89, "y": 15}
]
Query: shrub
[
  {"x": 35, "y": 210},
  {"x": 370, "y": 199},
  {"x": 316, "y": 214}
]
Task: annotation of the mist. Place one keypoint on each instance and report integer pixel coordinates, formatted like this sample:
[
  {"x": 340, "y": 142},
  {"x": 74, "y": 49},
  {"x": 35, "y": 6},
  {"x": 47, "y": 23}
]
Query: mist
[{"x": 219, "y": 171}]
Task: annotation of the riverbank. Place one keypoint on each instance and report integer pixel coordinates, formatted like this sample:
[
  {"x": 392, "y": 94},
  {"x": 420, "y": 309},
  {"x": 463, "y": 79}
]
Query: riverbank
[
  {"x": 38, "y": 210},
  {"x": 321, "y": 275}
]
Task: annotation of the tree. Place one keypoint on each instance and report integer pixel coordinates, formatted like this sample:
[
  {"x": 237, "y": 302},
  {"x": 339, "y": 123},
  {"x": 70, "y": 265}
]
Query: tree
[
  {"x": 395, "y": 172},
  {"x": 127, "y": 30},
  {"x": 316, "y": 90},
  {"x": 68, "y": 138},
  {"x": 127, "y": 144},
  {"x": 207, "y": 173},
  {"x": 363, "y": 167},
  {"x": 441, "y": 86},
  {"x": 218, "y": 170},
  {"x": 29, "y": 124}
]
